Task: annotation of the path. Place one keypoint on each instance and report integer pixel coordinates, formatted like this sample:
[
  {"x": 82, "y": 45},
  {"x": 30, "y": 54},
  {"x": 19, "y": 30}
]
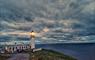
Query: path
[{"x": 20, "y": 56}]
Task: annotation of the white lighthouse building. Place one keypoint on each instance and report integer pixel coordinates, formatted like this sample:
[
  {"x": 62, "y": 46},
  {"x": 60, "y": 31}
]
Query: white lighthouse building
[{"x": 32, "y": 42}]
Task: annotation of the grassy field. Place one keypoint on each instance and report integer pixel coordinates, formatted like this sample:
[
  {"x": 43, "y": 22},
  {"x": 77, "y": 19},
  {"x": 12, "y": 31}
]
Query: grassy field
[
  {"x": 41, "y": 55},
  {"x": 49, "y": 55}
]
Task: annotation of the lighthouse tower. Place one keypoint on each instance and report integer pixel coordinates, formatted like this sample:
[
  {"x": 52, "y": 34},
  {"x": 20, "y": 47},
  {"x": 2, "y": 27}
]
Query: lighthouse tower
[{"x": 32, "y": 42}]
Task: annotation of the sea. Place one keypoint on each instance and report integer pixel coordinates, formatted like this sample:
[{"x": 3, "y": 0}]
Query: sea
[{"x": 80, "y": 51}]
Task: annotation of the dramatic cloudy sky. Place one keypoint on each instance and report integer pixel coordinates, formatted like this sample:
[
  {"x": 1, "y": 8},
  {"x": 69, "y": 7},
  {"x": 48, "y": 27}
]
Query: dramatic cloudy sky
[{"x": 55, "y": 21}]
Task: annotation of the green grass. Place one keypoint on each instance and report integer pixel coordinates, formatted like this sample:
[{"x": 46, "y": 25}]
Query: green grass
[
  {"x": 49, "y": 55},
  {"x": 43, "y": 54}
]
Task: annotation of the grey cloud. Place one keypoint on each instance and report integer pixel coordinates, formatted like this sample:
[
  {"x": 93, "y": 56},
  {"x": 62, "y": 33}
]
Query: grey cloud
[{"x": 72, "y": 17}]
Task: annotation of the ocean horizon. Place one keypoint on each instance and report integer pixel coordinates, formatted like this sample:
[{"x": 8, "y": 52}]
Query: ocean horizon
[{"x": 80, "y": 51}]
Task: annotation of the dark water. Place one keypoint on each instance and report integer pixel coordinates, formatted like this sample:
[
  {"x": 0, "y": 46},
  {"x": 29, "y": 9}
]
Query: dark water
[{"x": 81, "y": 51}]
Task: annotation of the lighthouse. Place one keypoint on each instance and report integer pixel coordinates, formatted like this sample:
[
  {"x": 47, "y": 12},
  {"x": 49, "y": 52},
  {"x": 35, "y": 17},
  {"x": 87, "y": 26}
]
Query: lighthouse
[{"x": 32, "y": 41}]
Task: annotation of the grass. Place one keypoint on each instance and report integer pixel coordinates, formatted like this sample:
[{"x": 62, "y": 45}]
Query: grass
[
  {"x": 49, "y": 55},
  {"x": 43, "y": 54},
  {"x": 4, "y": 56}
]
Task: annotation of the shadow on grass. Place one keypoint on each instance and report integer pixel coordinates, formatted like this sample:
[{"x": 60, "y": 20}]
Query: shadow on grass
[{"x": 4, "y": 56}]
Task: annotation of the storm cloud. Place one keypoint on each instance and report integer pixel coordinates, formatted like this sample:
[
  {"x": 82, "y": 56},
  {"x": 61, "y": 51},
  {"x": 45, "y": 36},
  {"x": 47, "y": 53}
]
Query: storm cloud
[{"x": 66, "y": 20}]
